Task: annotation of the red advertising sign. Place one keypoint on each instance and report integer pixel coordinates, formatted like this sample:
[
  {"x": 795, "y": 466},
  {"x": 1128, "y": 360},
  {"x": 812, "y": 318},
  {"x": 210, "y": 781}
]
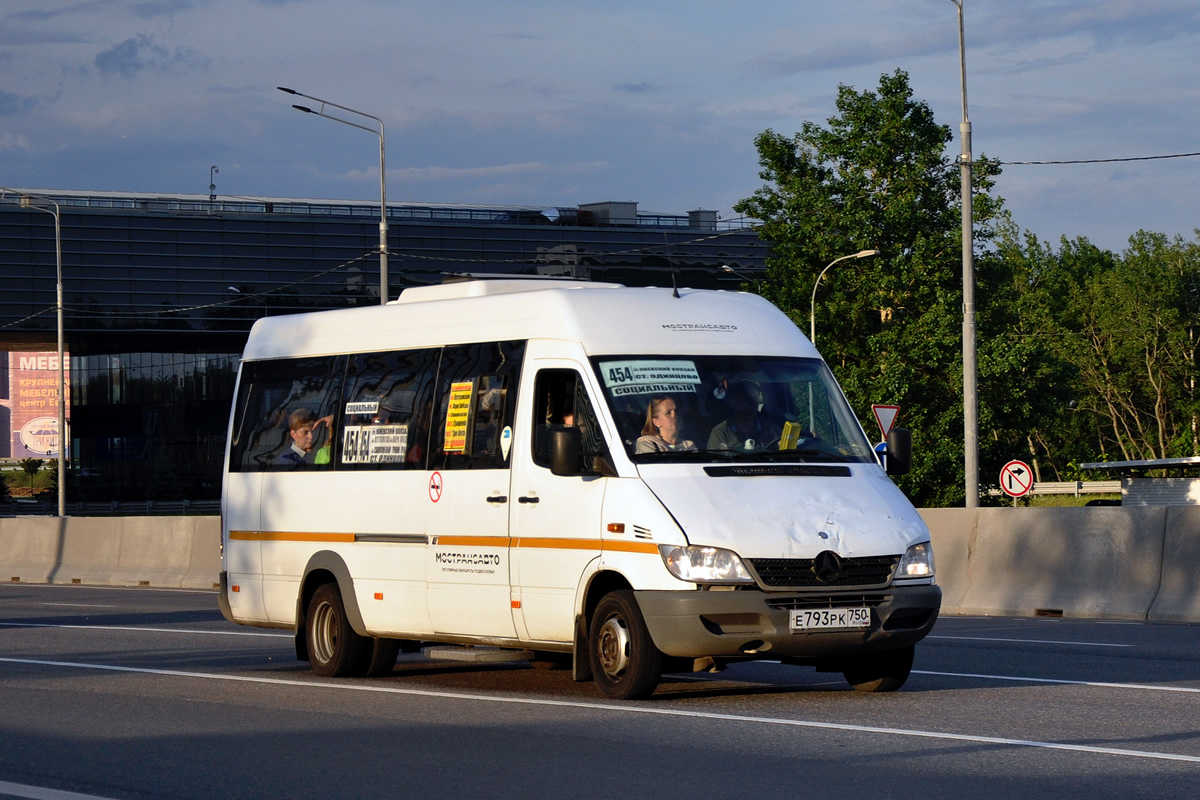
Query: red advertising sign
[{"x": 29, "y": 409}]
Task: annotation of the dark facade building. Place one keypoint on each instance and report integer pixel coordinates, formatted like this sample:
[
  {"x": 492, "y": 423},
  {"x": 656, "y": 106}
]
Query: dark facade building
[{"x": 160, "y": 293}]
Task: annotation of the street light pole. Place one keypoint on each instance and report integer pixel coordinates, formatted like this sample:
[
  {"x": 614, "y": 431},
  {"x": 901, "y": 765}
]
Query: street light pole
[
  {"x": 970, "y": 370},
  {"x": 212, "y": 186},
  {"x": 383, "y": 225},
  {"x": 812, "y": 308},
  {"x": 26, "y": 201}
]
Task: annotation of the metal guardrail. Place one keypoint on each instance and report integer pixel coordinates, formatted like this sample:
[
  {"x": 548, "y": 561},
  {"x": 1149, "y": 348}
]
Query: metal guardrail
[
  {"x": 1078, "y": 487},
  {"x": 1075, "y": 488},
  {"x": 157, "y": 508}
]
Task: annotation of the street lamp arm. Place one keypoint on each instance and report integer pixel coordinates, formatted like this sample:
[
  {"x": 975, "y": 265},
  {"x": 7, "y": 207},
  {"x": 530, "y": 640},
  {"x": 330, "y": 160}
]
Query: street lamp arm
[
  {"x": 812, "y": 307},
  {"x": 308, "y": 110},
  {"x": 383, "y": 225},
  {"x": 328, "y": 103}
]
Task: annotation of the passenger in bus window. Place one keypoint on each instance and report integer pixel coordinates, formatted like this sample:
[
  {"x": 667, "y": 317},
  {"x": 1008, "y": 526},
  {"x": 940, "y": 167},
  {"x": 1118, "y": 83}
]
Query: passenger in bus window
[
  {"x": 661, "y": 433},
  {"x": 302, "y": 427},
  {"x": 745, "y": 430},
  {"x": 566, "y": 412}
]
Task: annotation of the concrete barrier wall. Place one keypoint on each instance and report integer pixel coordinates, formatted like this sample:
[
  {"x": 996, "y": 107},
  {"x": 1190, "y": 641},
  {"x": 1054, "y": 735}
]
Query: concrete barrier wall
[
  {"x": 182, "y": 552},
  {"x": 1106, "y": 562},
  {"x": 1178, "y": 597}
]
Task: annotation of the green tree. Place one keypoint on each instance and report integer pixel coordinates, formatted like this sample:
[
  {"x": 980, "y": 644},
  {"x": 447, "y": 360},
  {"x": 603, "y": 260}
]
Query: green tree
[
  {"x": 878, "y": 177},
  {"x": 1119, "y": 336},
  {"x": 1134, "y": 326},
  {"x": 31, "y": 466}
]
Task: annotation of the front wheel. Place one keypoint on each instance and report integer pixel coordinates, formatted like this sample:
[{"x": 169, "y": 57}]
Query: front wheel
[
  {"x": 334, "y": 649},
  {"x": 880, "y": 672},
  {"x": 625, "y": 663}
]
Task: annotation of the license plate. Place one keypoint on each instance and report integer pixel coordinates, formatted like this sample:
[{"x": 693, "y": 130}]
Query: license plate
[{"x": 829, "y": 619}]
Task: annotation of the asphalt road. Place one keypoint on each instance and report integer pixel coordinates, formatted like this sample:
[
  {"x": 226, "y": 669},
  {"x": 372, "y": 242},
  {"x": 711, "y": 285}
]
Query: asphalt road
[{"x": 135, "y": 693}]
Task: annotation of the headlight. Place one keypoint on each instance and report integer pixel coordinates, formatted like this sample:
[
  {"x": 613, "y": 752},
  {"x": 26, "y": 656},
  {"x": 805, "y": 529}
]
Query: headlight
[
  {"x": 697, "y": 564},
  {"x": 917, "y": 562}
]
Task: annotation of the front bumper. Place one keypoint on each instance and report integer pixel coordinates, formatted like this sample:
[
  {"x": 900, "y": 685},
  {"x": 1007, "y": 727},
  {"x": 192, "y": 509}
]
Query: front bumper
[{"x": 754, "y": 624}]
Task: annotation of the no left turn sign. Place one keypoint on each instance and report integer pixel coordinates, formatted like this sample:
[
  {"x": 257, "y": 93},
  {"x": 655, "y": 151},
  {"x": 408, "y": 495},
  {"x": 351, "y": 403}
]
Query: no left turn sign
[{"x": 1016, "y": 479}]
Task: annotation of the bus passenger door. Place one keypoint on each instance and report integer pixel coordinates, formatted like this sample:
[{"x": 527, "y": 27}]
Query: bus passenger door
[
  {"x": 467, "y": 559},
  {"x": 555, "y": 520}
]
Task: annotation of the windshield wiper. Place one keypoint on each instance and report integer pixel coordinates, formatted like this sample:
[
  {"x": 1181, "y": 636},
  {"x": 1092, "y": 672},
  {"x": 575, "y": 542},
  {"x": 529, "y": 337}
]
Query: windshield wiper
[{"x": 825, "y": 454}]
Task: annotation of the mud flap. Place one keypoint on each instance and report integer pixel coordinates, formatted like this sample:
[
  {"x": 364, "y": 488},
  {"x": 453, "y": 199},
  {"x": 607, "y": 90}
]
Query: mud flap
[{"x": 581, "y": 665}]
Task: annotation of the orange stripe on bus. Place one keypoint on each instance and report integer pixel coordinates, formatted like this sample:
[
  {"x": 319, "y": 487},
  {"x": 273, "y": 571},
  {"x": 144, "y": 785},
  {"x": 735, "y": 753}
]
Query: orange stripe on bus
[
  {"x": 459, "y": 541},
  {"x": 632, "y": 547},
  {"x": 559, "y": 544},
  {"x": 588, "y": 544},
  {"x": 474, "y": 541}
]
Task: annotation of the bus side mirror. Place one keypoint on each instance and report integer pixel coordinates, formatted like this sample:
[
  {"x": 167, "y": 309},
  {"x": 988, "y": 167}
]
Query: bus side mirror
[
  {"x": 566, "y": 447},
  {"x": 899, "y": 451}
]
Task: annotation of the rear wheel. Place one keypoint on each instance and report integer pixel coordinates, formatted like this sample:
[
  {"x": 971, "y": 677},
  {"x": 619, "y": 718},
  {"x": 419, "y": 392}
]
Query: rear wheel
[
  {"x": 383, "y": 657},
  {"x": 334, "y": 649},
  {"x": 625, "y": 663},
  {"x": 880, "y": 672}
]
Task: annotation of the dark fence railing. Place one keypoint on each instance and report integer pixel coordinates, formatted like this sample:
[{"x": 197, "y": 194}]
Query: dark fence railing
[{"x": 159, "y": 508}]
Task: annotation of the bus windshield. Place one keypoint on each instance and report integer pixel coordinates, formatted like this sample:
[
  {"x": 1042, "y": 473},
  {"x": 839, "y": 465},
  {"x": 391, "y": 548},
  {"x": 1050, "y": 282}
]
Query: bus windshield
[{"x": 714, "y": 409}]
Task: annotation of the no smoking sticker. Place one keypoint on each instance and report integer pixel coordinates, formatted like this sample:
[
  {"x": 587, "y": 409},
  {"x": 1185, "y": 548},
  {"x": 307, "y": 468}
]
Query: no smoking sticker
[{"x": 435, "y": 487}]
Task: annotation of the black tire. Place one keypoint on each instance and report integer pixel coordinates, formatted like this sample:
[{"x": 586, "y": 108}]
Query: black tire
[
  {"x": 625, "y": 663},
  {"x": 880, "y": 672},
  {"x": 383, "y": 657},
  {"x": 334, "y": 649}
]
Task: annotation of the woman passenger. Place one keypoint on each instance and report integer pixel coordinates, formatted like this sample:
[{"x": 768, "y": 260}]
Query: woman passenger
[{"x": 660, "y": 434}]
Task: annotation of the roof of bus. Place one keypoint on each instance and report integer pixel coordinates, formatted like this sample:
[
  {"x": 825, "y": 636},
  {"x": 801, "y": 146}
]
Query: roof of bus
[{"x": 605, "y": 318}]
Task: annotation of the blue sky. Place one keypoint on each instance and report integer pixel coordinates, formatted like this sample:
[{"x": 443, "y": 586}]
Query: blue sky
[{"x": 559, "y": 103}]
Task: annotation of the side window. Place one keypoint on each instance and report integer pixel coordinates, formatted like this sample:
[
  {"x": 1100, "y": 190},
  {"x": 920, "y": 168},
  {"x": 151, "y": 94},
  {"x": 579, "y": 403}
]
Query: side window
[
  {"x": 285, "y": 416},
  {"x": 476, "y": 399},
  {"x": 560, "y": 401},
  {"x": 386, "y": 410}
]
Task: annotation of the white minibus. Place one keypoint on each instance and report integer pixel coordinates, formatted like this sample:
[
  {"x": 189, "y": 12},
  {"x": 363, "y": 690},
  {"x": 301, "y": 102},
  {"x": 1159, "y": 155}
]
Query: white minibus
[{"x": 629, "y": 481}]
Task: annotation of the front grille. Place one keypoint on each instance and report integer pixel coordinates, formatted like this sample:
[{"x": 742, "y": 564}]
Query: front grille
[
  {"x": 827, "y": 601},
  {"x": 798, "y": 573}
]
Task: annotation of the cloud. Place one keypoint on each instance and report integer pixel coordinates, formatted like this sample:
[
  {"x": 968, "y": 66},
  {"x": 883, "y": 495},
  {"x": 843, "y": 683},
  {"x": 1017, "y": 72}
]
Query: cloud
[
  {"x": 43, "y": 14},
  {"x": 1106, "y": 24},
  {"x": 19, "y": 36},
  {"x": 14, "y": 103},
  {"x": 160, "y": 8},
  {"x": 528, "y": 168},
  {"x": 636, "y": 88},
  {"x": 140, "y": 54}
]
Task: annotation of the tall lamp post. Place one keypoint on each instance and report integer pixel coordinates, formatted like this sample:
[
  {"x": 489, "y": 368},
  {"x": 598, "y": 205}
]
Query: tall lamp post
[
  {"x": 812, "y": 309},
  {"x": 383, "y": 225},
  {"x": 27, "y": 201},
  {"x": 970, "y": 372}
]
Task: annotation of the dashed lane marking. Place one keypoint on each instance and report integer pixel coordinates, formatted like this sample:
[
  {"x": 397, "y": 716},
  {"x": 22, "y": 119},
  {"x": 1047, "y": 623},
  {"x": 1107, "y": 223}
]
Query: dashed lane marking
[{"x": 604, "y": 708}]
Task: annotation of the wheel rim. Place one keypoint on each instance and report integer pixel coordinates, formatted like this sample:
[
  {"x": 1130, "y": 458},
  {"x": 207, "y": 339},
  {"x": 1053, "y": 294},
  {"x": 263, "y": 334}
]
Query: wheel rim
[
  {"x": 324, "y": 633},
  {"x": 612, "y": 646}
]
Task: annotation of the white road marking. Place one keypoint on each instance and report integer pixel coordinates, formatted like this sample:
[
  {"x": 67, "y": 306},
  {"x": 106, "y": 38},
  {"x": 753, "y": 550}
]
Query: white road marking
[
  {"x": 624, "y": 709},
  {"x": 76, "y": 605},
  {"x": 40, "y": 793},
  {"x": 151, "y": 630},
  {"x": 1026, "y": 641},
  {"x": 1102, "y": 684}
]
